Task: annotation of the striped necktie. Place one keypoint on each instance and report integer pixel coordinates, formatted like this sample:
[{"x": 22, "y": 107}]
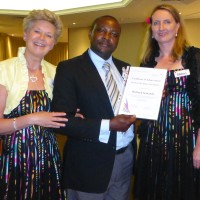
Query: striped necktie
[{"x": 111, "y": 86}]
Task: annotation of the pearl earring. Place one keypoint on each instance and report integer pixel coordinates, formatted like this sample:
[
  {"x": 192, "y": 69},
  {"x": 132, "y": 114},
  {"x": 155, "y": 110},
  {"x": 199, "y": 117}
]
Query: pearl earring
[{"x": 176, "y": 34}]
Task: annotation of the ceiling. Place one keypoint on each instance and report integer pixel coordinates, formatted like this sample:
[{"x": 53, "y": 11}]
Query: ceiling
[{"x": 135, "y": 11}]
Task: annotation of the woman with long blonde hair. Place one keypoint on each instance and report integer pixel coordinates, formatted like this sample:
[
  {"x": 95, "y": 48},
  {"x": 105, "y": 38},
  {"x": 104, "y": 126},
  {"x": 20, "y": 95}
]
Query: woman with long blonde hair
[{"x": 169, "y": 154}]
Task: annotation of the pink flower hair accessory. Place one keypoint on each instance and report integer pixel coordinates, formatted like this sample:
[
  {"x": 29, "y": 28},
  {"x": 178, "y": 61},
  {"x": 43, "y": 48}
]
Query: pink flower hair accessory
[{"x": 148, "y": 20}]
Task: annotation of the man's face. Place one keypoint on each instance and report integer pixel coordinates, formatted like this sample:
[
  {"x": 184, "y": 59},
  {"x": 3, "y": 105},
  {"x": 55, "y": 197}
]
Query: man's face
[{"x": 104, "y": 37}]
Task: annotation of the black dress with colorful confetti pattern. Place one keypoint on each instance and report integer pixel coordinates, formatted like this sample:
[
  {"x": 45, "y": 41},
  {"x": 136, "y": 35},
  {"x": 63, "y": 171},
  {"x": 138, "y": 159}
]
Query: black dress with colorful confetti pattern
[
  {"x": 164, "y": 169},
  {"x": 30, "y": 162}
]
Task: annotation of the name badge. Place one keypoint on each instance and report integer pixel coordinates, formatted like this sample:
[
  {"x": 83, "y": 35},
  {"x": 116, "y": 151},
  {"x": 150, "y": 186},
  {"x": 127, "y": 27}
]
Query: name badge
[{"x": 181, "y": 73}]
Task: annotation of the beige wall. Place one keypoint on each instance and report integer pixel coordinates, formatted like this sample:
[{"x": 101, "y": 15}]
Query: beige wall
[
  {"x": 193, "y": 31},
  {"x": 130, "y": 42},
  {"x": 128, "y": 47},
  {"x": 78, "y": 41}
]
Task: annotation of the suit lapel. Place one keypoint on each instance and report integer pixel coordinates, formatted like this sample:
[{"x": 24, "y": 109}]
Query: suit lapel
[
  {"x": 92, "y": 74},
  {"x": 118, "y": 65}
]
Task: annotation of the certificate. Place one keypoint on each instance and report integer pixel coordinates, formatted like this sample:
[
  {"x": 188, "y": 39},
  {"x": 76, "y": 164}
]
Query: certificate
[{"x": 143, "y": 92}]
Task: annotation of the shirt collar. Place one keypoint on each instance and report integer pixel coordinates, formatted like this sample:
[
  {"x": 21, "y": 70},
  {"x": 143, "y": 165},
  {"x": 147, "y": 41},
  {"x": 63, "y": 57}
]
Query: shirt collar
[{"x": 97, "y": 60}]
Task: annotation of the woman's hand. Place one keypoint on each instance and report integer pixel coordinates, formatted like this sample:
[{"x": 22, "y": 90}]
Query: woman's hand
[
  {"x": 196, "y": 153},
  {"x": 196, "y": 157},
  {"x": 49, "y": 119},
  {"x": 79, "y": 114}
]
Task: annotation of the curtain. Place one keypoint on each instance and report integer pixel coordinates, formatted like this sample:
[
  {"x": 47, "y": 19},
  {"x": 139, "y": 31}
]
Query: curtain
[
  {"x": 58, "y": 53},
  {"x": 3, "y": 38}
]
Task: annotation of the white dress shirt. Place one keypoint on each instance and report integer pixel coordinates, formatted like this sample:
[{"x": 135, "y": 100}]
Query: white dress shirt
[{"x": 123, "y": 138}]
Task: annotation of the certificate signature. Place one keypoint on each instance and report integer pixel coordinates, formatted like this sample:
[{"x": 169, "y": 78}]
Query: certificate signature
[{"x": 143, "y": 92}]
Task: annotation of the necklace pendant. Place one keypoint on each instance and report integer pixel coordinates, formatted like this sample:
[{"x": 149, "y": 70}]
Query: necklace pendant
[{"x": 33, "y": 79}]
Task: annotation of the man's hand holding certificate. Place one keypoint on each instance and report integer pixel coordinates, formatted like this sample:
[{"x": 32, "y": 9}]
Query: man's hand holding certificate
[{"x": 143, "y": 92}]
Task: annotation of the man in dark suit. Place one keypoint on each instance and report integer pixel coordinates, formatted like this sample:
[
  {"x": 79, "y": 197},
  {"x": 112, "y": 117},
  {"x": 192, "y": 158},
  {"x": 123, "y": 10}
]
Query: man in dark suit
[{"x": 98, "y": 155}]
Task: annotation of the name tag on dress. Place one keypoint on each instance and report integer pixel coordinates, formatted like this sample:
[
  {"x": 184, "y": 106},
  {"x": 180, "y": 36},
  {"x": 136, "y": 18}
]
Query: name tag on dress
[{"x": 181, "y": 73}]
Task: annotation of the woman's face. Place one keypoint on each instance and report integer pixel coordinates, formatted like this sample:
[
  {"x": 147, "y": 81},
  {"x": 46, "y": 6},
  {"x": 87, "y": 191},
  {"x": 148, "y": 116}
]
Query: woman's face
[
  {"x": 40, "y": 38},
  {"x": 164, "y": 27}
]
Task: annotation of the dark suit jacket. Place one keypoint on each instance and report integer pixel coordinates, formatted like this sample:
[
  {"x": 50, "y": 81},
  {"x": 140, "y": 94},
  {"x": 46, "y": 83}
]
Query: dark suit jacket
[{"x": 88, "y": 163}]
